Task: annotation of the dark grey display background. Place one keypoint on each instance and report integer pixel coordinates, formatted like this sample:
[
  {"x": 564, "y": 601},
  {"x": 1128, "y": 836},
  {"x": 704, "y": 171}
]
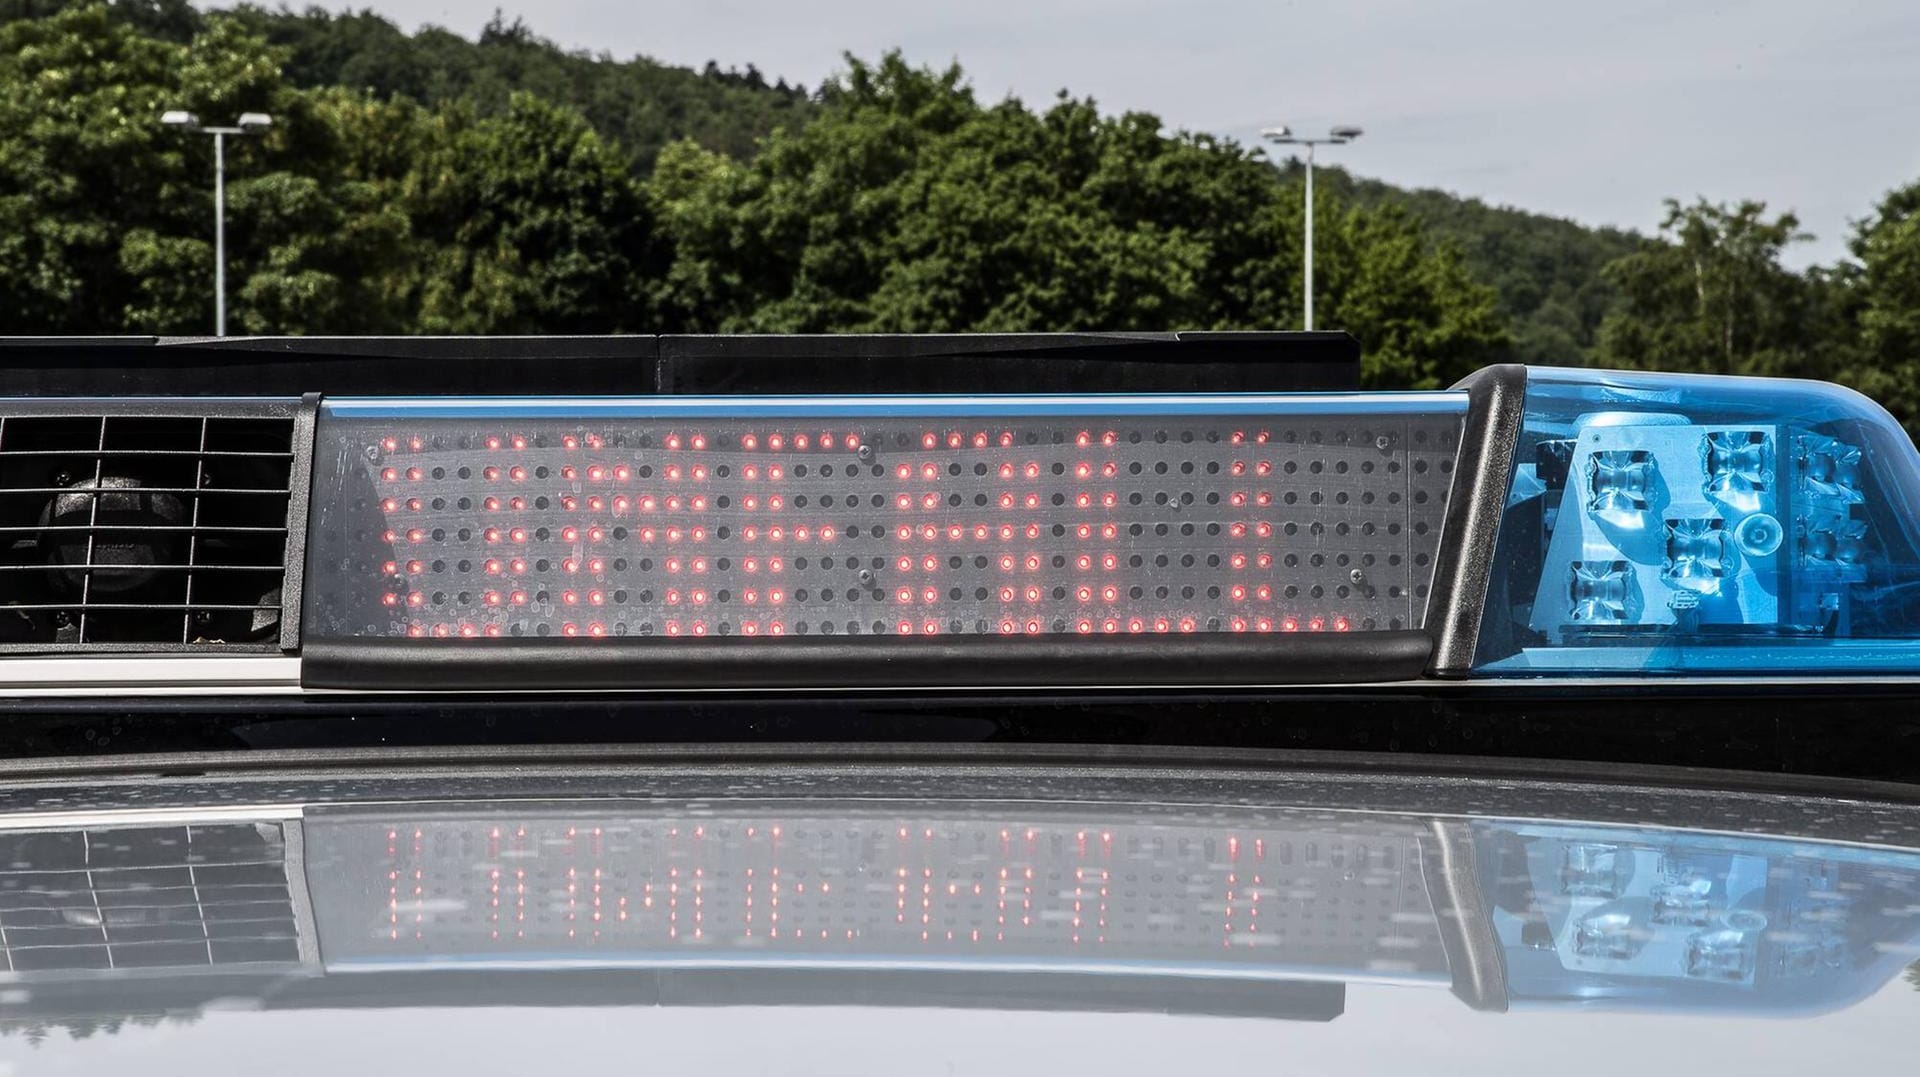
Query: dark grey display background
[{"x": 1348, "y": 494}]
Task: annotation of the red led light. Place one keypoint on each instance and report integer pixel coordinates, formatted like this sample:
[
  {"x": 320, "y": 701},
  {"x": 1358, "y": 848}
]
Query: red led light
[
  {"x": 776, "y": 443},
  {"x": 1340, "y": 624},
  {"x": 1289, "y": 625},
  {"x": 749, "y": 442}
]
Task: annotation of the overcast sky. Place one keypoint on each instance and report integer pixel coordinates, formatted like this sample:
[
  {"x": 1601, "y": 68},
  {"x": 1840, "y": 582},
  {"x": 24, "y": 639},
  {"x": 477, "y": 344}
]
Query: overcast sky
[{"x": 1594, "y": 110}]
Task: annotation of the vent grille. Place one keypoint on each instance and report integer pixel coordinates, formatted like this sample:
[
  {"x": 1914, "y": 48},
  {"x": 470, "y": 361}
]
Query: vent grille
[
  {"x": 123, "y": 530},
  {"x": 143, "y": 898}
]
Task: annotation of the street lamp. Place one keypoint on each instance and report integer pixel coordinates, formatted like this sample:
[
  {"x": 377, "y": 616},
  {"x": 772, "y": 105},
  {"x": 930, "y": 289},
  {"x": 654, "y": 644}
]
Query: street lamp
[
  {"x": 1284, "y": 136},
  {"x": 248, "y": 123}
]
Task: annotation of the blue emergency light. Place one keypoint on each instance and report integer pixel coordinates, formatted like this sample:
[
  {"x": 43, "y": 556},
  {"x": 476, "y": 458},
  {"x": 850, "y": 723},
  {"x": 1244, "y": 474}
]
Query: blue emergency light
[{"x": 1666, "y": 523}]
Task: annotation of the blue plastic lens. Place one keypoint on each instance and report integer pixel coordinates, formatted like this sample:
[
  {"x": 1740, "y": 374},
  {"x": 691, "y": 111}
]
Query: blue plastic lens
[{"x": 1670, "y": 523}]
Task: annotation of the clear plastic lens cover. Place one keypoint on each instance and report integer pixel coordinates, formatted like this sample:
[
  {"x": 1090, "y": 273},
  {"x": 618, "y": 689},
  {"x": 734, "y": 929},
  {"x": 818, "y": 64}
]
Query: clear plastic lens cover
[
  {"x": 777, "y": 517},
  {"x": 1679, "y": 523}
]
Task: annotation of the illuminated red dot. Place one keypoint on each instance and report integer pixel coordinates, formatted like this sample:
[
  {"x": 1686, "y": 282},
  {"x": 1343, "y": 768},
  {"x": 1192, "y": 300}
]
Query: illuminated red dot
[
  {"x": 390, "y": 599},
  {"x": 1085, "y": 594},
  {"x": 776, "y": 628},
  {"x": 493, "y": 567},
  {"x": 1084, "y": 627},
  {"x": 749, "y": 442},
  {"x": 1033, "y": 594},
  {"x": 904, "y": 596},
  {"x": 906, "y": 628},
  {"x": 493, "y": 630},
  {"x": 388, "y": 474},
  {"x": 569, "y": 629},
  {"x": 1006, "y": 564},
  {"x": 1033, "y": 628},
  {"x": 1007, "y": 628},
  {"x": 1238, "y": 593},
  {"x": 853, "y": 441},
  {"x": 673, "y": 628},
  {"x": 1316, "y": 625},
  {"x": 1289, "y": 625},
  {"x": 517, "y": 474},
  {"x": 1083, "y": 563},
  {"x": 776, "y": 596},
  {"x": 1340, "y": 624},
  {"x": 1161, "y": 625},
  {"x": 596, "y": 598},
  {"x": 517, "y": 598},
  {"x": 1033, "y": 562},
  {"x": 1264, "y": 560},
  {"x": 1033, "y": 501},
  {"x": 416, "y": 599},
  {"x": 928, "y": 440},
  {"x": 1263, "y": 593},
  {"x": 1136, "y": 625},
  {"x": 774, "y": 564},
  {"x": 1237, "y": 625},
  {"x": 1032, "y": 470},
  {"x": 698, "y": 598}
]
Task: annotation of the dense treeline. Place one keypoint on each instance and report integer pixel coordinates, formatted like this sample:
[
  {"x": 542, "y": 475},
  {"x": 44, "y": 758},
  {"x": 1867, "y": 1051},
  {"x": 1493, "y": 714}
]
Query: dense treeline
[{"x": 427, "y": 183}]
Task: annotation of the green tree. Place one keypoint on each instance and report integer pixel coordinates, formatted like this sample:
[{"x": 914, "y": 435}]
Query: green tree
[
  {"x": 1714, "y": 297},
  {"x": 107, "y": 217},
  {"x": 907, "y": 206},
  {"x": 530, "y": 224},
  {"x": 1886, "y": 286}
]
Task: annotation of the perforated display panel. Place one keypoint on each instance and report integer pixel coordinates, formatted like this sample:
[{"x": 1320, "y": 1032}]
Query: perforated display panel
[{"x": 901, "y": 517}]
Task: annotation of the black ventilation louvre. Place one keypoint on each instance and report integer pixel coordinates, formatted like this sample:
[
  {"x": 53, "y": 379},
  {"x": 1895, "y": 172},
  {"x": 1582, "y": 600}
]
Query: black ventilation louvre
[{"x": 147, "y": 525}]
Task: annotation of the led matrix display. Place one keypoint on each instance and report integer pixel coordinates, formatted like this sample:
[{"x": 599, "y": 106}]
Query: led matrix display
[{"x": 733, "y": 518}]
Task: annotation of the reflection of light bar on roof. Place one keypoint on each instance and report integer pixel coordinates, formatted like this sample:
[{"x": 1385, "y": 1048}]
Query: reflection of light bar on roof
[{"x": 1266, "y": 913}]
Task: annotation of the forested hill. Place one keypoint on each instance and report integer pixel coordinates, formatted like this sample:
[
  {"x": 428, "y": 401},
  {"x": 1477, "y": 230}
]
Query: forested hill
[{"x": 1545, "y": 270}]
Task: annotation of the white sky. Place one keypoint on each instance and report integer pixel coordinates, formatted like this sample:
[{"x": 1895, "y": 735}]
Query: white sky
[{"x": 1589, "y": 110}]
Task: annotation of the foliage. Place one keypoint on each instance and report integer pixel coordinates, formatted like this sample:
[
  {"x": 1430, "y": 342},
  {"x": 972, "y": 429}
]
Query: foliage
[
  {"x": 1545, "y": 271},
  {"x": 427, "y": 183},
  {"x": 908, "y": 206}
]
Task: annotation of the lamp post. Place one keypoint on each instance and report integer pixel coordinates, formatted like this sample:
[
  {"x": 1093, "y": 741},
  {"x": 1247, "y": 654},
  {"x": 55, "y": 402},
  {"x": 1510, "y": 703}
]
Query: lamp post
[
  {"x": 248, "y": 123},
  {"x": 1284, "y": 136}
]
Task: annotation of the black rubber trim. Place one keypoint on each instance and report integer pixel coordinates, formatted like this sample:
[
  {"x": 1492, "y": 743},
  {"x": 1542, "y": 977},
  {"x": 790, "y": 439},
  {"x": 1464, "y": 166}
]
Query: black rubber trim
[
  {"x": 1496, "y": 406},
  {"x": 299, "y": 496},
  {"x": 1244, "y": 362},
  {"x": 643, "y": 365},
  {"x": 864, "y": 662}
]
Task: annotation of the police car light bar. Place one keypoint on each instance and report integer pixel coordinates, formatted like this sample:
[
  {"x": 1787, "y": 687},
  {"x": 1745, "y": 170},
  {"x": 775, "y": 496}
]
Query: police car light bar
[
  {"x": 828, "y": 540},
  {"x": 1543, "y": 523}
]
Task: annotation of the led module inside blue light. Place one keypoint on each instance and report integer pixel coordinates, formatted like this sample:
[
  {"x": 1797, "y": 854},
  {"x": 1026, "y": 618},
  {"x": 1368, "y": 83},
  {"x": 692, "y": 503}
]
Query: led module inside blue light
[{"x": 1665, "y": 523}]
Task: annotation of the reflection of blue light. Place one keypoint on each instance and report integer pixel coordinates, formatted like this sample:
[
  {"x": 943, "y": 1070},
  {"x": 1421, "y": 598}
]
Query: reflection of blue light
[
  {"x": 1709, "y": 525},
  {"x": 1658, "y": 919}
]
